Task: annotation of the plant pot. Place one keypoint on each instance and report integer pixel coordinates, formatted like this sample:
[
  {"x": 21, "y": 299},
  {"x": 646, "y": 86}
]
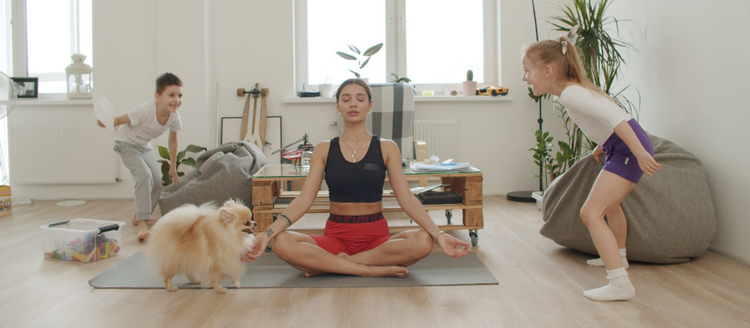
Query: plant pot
[
  {"x": 470, "y": 88},
  {"x": 326, "y": 90}
]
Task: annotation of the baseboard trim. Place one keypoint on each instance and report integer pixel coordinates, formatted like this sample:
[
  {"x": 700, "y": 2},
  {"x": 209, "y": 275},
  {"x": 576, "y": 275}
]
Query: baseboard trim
[{"x": 730, "y": 256}]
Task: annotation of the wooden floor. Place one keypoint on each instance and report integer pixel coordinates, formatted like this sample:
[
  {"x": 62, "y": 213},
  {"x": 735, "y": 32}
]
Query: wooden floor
[{"x": 540, "y": 286}]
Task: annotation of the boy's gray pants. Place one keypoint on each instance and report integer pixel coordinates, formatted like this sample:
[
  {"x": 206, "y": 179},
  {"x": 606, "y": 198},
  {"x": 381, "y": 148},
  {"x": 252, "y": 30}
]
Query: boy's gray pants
[{"x": 146, "y": 174}]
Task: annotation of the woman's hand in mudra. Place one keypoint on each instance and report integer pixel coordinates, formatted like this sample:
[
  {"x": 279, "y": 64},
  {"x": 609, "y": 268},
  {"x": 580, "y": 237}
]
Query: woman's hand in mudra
[{"x": 449, "y": 245}]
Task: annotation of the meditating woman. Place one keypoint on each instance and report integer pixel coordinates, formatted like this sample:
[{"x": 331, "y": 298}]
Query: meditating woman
[{"x": 356, "y": 239}]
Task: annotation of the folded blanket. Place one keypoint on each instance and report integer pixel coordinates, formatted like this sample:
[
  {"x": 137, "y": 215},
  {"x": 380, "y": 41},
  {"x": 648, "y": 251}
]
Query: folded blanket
[{"x": 221, "y": 173}]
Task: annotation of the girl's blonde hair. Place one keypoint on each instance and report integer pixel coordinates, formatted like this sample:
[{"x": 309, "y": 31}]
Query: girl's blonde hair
[{"x": 550, "y": 52}]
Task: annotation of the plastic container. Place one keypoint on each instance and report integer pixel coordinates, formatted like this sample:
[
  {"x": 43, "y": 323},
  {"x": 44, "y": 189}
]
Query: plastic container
[
  {"x": 82, "y": 240},
  {"x": 5, "y": 202},
  {"x": 539, "y": 197}
]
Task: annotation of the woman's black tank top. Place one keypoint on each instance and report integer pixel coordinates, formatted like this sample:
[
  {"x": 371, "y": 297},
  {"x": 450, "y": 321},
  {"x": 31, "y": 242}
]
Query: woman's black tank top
[{"x": 360, "y": 182}]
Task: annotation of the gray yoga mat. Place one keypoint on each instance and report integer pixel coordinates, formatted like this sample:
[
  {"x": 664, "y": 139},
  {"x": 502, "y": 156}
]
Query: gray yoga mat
[{"x": 269, "y": 271}]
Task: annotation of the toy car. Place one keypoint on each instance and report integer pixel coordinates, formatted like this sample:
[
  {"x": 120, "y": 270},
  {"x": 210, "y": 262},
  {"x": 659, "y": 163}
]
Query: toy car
[{"x": 492, "y": 90}]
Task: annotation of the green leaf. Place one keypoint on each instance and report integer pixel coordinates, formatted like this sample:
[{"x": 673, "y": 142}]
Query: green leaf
[
  {"x": 355, "y": 73},
  {"x": 189, "y": 162},
  {"x": 353, "y": 48},
  {"x": 373, "y": 50},
  {"x": 163, "y": 152},
  {"x": 165, "y": 174},
  {"x": 365, "y": 63},
  {"x": 346, "y": 55}
]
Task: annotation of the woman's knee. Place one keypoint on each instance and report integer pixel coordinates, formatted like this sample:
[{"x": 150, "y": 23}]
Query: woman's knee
[
  {"x": 423, "y": 243},
  {"x": 282, "y": 243}
]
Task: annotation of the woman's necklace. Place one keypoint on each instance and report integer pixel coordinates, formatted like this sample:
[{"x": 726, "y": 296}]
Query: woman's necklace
[{"x": 354, "y": 151}]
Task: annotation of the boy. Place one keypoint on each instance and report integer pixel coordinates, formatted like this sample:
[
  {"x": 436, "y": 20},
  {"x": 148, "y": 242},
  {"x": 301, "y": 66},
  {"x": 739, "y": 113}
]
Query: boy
[{"x": 133, "y": 143}]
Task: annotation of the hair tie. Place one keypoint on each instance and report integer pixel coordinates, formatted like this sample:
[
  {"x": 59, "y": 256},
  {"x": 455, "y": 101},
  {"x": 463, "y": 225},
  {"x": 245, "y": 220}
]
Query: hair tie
[{"x": 564, "y": 39}]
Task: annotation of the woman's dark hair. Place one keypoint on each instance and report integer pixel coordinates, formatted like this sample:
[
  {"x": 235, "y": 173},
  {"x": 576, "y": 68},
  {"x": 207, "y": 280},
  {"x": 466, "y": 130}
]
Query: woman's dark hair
[{"x": 355, "y": 81}]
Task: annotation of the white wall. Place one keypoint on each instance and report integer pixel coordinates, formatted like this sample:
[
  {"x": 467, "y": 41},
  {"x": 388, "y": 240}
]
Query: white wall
[
  {"x": 237, "y": 43},
  {"x": 690, "y": 70},
  {"x": 692, "y": 74}
]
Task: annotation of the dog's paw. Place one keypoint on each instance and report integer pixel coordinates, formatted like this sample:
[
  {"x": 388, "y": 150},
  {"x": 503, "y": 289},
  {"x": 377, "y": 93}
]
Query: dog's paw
[
  {"x": 171, "y": 289},
  {"x": 220, "y": 290},
  {"x": 237, "y": 284}
]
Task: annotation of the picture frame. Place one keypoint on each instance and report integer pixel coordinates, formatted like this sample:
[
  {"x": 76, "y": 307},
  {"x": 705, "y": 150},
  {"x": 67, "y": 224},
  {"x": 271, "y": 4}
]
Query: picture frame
[
  {"x": 27, "y": 87},
  {"x": 231, "y": 128}
]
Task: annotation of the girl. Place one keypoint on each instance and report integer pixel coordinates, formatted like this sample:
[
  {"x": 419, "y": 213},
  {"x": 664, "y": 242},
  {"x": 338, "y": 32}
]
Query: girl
[
  {"x": 356, "y": 239},
  {"x": 554, "y": 67}
]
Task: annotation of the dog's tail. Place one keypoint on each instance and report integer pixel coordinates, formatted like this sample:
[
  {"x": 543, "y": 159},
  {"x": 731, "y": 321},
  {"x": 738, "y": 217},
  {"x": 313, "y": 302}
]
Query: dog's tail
[{"x": 179, "y": 220}]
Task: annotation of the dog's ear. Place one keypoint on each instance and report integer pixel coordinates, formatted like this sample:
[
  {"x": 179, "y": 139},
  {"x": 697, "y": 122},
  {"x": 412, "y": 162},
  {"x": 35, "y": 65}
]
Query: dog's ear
[
  {"x": 226, "y": 216},
  {"x": 230, "y": 203}
]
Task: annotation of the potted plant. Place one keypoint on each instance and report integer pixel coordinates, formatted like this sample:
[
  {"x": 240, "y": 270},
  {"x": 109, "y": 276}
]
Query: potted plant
[
  {"x": 470, "y": 86},
  {"x": 361, "y": 58},
  {"x": 180, "y": 159},
  {"x": 326, "y": 89},
  {"x": 397, "y": 79}
]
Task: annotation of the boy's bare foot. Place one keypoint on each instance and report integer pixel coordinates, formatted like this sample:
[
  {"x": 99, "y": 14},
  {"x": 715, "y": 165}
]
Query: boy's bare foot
[
  {"x": 142, "y": 230},
  {"x": 134, "y": 221}
]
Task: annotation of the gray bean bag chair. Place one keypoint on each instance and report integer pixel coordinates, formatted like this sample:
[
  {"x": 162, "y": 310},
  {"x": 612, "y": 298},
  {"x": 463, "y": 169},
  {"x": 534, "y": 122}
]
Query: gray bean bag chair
[
  {"x": 670, "y": 214},
  {"x": 221, "y": 173}
]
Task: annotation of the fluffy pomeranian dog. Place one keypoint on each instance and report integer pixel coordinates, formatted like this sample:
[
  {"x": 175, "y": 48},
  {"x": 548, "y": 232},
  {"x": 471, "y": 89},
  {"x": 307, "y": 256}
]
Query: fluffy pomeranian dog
[{"x": 203, "y": 243}]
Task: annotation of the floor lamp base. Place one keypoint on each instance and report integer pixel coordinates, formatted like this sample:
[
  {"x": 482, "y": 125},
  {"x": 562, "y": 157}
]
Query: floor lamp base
[{"x": 521, "y": 196}]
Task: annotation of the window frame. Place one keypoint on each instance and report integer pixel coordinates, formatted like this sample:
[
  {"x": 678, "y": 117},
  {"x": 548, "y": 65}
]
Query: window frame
[
  {"x": 395, "y": 44},
  {"x": 19, "y": 44}
]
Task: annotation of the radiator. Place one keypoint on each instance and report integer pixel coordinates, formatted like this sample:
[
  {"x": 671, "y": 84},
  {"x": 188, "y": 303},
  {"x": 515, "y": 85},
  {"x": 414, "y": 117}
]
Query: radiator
[
  {"x": 46, "y": 154},
  {"x": 441, "y": 137}
]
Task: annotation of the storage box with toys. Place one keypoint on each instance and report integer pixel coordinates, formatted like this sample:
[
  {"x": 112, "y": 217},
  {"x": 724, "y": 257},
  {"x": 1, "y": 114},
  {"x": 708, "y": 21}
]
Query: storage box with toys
[{"x": 82, "y": 240}]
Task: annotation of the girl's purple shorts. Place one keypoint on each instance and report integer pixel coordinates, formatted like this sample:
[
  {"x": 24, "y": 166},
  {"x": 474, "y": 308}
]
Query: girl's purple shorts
[{"x": 620, "y": 160}]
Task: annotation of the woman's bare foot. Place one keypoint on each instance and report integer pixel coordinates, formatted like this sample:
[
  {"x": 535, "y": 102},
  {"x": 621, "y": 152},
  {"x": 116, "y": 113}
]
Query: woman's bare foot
[
  {"x": 142, "y": 230},
  {"x": 389, "y": 271},
  {"x": 375, "y": 271},
  {"x": 309, "y": 274}
]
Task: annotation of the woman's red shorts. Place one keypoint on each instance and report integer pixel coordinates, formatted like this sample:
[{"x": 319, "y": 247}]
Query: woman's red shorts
[{"x": 352, "y": 234}]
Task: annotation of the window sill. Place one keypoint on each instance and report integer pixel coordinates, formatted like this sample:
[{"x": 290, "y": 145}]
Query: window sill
[
  {"x": 314, "y": 100},
  {"x": 51, "y": 100}
]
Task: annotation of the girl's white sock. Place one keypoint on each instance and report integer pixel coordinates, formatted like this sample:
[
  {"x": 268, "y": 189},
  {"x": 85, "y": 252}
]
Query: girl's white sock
[
  {"x": 598, "y": 261},
  {"x": 618, "y": 289}
]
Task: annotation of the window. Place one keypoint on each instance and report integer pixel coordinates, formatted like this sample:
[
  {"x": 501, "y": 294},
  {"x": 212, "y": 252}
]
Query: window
[
  {"x": 432, "y": 42},
  {"x": 48, "y": 33}
]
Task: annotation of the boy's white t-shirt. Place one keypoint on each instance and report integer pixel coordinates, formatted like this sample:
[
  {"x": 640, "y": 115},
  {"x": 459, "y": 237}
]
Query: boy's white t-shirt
[
  {"x": 143, "y": 125},
  {"x": 594, "y": 114}
]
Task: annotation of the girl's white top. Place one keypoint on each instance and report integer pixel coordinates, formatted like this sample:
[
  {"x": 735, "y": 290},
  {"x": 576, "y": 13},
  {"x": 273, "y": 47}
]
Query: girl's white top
[
  {"x": 594, "y": 114},
  {"x": 143, "y": 125}
]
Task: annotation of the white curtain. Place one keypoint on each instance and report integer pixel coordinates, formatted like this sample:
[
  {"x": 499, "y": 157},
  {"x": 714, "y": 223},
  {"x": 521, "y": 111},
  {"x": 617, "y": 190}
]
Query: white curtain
[{"x": 5, "y": 67}]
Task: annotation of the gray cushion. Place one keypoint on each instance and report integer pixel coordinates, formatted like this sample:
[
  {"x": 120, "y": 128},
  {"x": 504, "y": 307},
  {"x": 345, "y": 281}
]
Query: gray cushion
[
  {"x": 670, "y": 215},
  {"x": 221, "y": 173}
]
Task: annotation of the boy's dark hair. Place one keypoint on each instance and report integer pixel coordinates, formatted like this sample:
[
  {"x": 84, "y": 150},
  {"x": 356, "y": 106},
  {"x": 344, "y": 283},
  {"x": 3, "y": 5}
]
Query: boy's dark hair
[{"x": 165, "y": 80}]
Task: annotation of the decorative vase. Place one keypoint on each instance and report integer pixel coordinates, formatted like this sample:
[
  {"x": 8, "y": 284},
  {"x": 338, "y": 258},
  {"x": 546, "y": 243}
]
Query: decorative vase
[{"x": 326, "y": 90}]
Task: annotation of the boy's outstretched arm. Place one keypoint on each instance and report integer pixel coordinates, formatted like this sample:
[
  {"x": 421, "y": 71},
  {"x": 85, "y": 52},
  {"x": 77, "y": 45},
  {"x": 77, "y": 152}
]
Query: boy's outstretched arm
[{"x": 122, "y": 120}]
